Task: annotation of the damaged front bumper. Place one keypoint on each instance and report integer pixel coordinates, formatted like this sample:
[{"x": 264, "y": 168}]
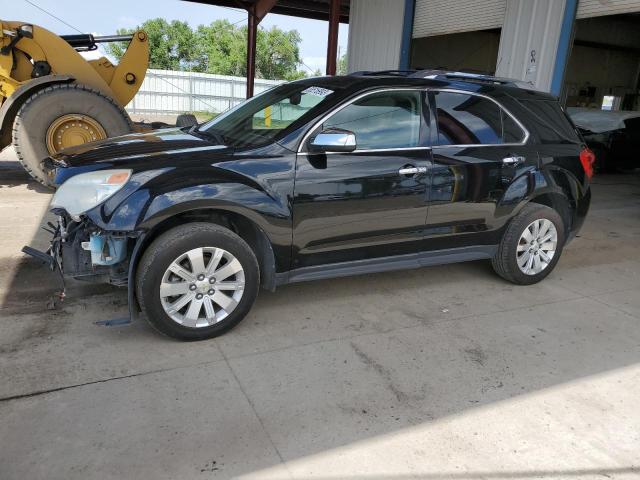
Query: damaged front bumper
[{"x": 81, "y": 250}]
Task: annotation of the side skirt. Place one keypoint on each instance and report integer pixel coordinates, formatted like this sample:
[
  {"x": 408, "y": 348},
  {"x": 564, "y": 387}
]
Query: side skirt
[{"x": 386, "y": 264}]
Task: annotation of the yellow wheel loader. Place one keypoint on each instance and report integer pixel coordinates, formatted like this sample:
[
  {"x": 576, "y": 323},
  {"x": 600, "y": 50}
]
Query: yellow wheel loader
[{"x": 52, "y": 98}]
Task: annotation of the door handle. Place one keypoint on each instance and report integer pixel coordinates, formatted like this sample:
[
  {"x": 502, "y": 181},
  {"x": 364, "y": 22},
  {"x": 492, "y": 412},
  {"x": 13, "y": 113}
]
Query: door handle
[
  {"x": 513, "y": 160},
  {"x": 412, "y": 170}
]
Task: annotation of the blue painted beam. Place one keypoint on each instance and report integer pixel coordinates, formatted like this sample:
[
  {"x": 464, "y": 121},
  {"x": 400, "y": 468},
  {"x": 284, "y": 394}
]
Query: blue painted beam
[
  {"x": 564, "y": 46},
  {"x": 407, "y": 34}
]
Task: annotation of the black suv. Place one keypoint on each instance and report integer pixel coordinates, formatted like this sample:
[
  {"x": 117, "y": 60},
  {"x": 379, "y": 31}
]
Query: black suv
[{"x": 319, "y": 178}]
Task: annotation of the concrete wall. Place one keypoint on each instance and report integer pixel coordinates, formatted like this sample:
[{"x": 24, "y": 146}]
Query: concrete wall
[
  {"x": 375, "y": 34},
  {"x": 529, "y": 41},
  {"x": 470, "y": 51}
]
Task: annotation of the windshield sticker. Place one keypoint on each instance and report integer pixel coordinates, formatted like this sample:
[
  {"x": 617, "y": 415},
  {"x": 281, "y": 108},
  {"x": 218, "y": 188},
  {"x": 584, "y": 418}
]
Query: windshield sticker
[{"x": 318, "y": 91}]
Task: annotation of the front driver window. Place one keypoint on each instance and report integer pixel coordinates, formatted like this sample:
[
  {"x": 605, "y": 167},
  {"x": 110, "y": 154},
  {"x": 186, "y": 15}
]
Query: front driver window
[
  {"x": 284, "y": 112},
  {"x": 382, "y": 120}
]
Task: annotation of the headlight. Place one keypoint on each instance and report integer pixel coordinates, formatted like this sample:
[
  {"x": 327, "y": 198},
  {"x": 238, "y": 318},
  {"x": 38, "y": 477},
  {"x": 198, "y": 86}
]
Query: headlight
[{"x": 87, "y": 190}]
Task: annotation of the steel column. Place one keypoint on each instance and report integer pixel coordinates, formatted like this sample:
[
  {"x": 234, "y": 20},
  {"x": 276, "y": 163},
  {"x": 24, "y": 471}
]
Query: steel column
[
  {"x": 332, "y": 40},
  {"x": 407, "y": 34},
  {"x": 256, "y": 12},
  {"x": 252, "y": 33},
  {"x": 565, "y": 44}
]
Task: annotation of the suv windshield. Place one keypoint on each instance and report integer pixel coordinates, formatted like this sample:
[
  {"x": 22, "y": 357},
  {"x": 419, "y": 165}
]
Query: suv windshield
[{"x": 260, "y": 119}]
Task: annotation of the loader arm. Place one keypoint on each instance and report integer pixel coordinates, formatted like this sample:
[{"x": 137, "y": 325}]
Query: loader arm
[
  {"x": 120, "y": 82},
  {"x": 131, "y": 69},
  {"x": 46, "y": 46}
]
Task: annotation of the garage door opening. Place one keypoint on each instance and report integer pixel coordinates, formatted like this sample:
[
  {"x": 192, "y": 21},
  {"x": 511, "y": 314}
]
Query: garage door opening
[
  {"x": 611, "y": 44},
  {"x": 475, "y": 52},
  {"x": 602, "y": 85}
]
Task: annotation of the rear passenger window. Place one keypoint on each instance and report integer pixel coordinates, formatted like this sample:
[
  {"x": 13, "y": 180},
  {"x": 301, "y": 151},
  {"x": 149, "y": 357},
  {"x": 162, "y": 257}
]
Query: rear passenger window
[{"x": 472, "y": 120}]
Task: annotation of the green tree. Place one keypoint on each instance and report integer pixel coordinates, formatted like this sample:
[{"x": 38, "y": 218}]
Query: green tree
[
  {"x": 343, "y": 65},
  {"x": 278, "y": 54},
  {"x": 172, "y": 45},
  {"x": 219, "y": 48}
]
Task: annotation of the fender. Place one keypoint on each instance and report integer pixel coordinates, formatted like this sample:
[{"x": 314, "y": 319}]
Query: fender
[
  {"x": 257, "y": 206},
  {"x": 575, "y": 195},
  {"x": 147, "y": 209},
  {"x": 11, "y": 105},
  {"x": 144, "y": 209},
  {"x": 554, "y": 187}
]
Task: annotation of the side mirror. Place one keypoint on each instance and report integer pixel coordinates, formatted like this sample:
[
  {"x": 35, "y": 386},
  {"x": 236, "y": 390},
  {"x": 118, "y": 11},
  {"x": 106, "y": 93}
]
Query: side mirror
[{"x": 333, "y": 140}]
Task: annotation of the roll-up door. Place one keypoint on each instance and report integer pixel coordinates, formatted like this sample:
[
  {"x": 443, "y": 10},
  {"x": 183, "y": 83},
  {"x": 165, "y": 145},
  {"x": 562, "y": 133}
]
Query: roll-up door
[
  {"x": 439, "y": 17},
  {"x": 597, "y": 8}
]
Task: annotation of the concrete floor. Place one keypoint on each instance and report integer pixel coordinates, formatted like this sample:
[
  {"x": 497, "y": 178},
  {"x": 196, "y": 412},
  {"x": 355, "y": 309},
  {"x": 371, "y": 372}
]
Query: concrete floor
[{"x": 444, "y": 372}]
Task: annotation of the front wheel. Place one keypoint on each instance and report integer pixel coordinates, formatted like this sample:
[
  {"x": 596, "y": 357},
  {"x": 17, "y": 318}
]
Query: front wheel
[
  {"x": 531, "y": 245},
  {"x": 196, "y": 281}
]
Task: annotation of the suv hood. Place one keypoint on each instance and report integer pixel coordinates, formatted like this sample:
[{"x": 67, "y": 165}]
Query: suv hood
[{"x": 133, "y": 149}]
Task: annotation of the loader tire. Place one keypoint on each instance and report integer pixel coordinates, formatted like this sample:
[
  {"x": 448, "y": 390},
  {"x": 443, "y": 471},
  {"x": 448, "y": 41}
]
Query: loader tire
[{"x": 45, "y": 109}]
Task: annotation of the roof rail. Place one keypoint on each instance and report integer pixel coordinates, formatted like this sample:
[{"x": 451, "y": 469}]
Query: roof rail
[
  {"x": 447, "y": 75},
  {"x": 470, "y": 77},
  {"x": 380, "y": 73}
]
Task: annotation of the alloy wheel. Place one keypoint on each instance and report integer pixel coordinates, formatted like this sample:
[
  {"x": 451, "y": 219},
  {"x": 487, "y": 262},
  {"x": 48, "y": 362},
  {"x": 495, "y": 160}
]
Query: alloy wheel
[
  {"x": 202, "y": 287},
  {"x": 537, "y": 246}
]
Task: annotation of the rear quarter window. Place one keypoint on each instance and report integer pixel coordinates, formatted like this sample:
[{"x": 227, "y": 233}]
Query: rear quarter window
[{"x": 549, "y": 121}]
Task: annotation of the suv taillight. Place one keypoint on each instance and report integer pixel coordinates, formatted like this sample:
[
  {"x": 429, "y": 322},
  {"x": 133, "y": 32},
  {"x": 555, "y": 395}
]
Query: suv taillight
[{"x": 588, "y": 159}]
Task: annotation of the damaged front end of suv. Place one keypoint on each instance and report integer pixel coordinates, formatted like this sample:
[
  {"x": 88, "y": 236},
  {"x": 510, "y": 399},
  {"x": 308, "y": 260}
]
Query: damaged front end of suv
[
  {"x": 81, "y": 248},
  {"x": 113, "y": 194}
]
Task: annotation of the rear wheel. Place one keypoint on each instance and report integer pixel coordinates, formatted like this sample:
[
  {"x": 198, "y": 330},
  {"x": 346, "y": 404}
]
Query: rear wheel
[
  {"x": 197, "y": 281},
  {"x": 531, "y": 245},
  {"x": 61, "y": 116}
]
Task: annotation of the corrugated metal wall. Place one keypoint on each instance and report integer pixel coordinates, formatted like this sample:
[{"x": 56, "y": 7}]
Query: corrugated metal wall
[
  {"x": 596, "y": 8},
  {"x": 529, "y": 41},
  {"x": 438, "y": 17},
  {"x": 375, "y": 34},
  {"x": 173, "y": 92}
]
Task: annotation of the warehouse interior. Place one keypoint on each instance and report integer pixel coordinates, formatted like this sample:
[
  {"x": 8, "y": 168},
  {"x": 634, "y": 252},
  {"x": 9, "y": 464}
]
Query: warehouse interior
[
  {"x": 475, "y": 51},
  {"x": 611, "y": 42}
]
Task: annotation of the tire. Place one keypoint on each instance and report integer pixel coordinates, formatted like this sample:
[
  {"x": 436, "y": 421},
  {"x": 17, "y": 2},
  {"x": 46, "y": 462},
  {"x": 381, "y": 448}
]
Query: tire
[
  {"x": 505, "y": 262},
  {"x": 186, "y": 120},
  {"x": 153, "y": 272},
  {"x": 44, "y": 107}
]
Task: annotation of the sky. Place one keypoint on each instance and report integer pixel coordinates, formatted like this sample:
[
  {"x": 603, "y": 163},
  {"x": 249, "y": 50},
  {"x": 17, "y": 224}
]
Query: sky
[{"x": 106, "y": 16}]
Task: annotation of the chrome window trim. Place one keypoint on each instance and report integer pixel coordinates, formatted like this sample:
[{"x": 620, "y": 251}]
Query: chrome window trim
[
  {"x": 527, "y": 135},
  {"x": 373, "y": 150},
  {"x": 349, "y": 102}
]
